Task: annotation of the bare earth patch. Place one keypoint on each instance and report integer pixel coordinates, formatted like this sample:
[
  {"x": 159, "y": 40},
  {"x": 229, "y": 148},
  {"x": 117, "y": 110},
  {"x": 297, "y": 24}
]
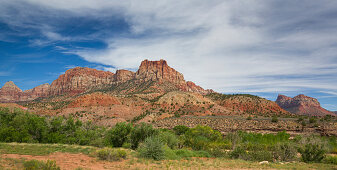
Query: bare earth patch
[{"x": 68, "y": 161}]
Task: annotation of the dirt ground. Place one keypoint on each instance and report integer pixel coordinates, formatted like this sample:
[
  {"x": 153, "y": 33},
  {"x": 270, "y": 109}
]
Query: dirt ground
[{"x": 68, "y": 161}]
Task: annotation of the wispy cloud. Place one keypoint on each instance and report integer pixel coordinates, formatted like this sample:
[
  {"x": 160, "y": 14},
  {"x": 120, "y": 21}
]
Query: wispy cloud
[{"x": 230, "y": 46}]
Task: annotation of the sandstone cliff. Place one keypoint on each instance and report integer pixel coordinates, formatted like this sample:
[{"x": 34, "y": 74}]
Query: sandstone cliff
[
  {"x": 302, "y": 105},
  {"x": 79, "y": 79}
]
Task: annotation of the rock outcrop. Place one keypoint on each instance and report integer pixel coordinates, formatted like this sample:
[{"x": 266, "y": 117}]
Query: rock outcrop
[
  {"x": 122, "y": 76},
  {"x": 11, "y": 93},
  {"x": 302, "y": 105},
  {"x": 79, "y": 80}
]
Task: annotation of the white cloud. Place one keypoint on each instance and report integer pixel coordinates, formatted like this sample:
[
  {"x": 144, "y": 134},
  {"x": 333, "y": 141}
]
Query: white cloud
[{"x": 230, "y": 46}]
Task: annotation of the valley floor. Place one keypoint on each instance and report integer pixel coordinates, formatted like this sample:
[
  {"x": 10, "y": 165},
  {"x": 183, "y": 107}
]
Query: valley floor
[{"x": 13, "y": 155}]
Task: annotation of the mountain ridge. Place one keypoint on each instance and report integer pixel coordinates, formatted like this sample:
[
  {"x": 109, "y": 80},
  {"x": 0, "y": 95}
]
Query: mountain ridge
[{"x": 82, "y": 79}]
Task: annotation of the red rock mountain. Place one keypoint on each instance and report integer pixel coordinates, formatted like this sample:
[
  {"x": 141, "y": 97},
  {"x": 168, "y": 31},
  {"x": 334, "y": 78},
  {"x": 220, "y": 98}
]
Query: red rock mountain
[
  {"x": 302, "y": 105},
  {"x": 82, "y": 79},
  {"x": 11, "y": 93}
]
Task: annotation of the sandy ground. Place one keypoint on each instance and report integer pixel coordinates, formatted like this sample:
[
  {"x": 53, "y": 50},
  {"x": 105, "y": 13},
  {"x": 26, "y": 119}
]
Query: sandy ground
[{"x": 68, "y": 161}]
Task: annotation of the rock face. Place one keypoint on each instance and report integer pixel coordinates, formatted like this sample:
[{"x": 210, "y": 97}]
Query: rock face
[
  {"x": 123, "y": 76},
  {"x": 79, "y": 79},
  {"x": 302, "y": 105},
  {"x": 11, "y": 93},
  {"x": 82, "y": 79},
  {"x": 158, "y": 71},
  {"x": 39, "y": 91}
]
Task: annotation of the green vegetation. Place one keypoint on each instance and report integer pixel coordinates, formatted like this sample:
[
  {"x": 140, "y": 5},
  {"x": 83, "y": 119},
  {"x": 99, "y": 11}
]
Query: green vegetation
[
  {"x": 42, "y": 149},
  {"x": 110, "y": 154},
  {"x": 312, "y": 153},
  {"x": 219, "y": 96},
  {"x": 179, "y": 143},
  {"x": 118, "y": 135},
  {"x": 40, "y": 165},
  {"x": 30, "y": 128},
  {"x": 153, "y": 147},
  {"x": 274, "y": 119}
]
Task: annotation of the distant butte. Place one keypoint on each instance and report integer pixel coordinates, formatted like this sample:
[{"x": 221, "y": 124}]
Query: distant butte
[{"x": 302, "y": 105}]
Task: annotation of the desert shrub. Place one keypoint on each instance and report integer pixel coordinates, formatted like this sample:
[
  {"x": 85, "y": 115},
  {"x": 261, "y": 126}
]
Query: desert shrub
[
  {"x": 217, "y": 149},
  {"x": 40, "y": 165},
  {"x": 238, "y": 153},
  {"x": 330, "y": 160},
  {"x": 300, "y": 119},
  {"x": 274, "y": 119},
  {"x": 127, "y": 145},
  {"x": 110, "y": 154},
  {"x": 180, "y": 129},
  {"x": 262, "y": 155},
  {"x": 169, "y": 139},
  {"x": 200, "y": 137},
  {"x": 284, "y": 152},
  {"x": 312, "y": 120},
  {"x": 119, "y": 134},
  {"x": 241, "y": 153},
  {"x": 140, "y": 132},
  {"x": 152, "y": 148},
  {"x": 234, "y": 139},
  {"x": 249, "y": 118},
  {"x": 170, "y": 154},
  {"x": 312, "y": 153}
]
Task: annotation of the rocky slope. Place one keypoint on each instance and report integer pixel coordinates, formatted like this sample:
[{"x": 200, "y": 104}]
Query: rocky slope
[
  {"x": 247, "y": 104},
  {"x": 302, "y": 105}
]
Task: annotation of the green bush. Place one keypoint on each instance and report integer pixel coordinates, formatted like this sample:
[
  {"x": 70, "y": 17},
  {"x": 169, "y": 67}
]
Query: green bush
[
  {"x": 274, "y": 119},
  {"x": 140, "y": 132},
  {"x": 169, "y": 139},
  {"x": 249, "y": 118},
  {"x": 200, "y": 137},
  {"x": 330, "y": 160},
  {"x": 119, "y": 134},
  {"x": 262, "y": 155},
  {"x": 238, "y": 153},
  {"x": 152, "y": 148},
  {"x": 40, "y": 165},
  {"x": 312, "y": 153},
  {"x": 180, "y": 129},
  {"x": 284, "y": 152},
  {"x": 110, "y": 154},
  {"x": 217, "y": 149},
  {"x": 312, "y": 120}
]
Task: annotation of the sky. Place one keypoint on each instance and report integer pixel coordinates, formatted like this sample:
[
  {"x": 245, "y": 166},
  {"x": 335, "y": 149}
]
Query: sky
[{"x": 260, "y": 47}]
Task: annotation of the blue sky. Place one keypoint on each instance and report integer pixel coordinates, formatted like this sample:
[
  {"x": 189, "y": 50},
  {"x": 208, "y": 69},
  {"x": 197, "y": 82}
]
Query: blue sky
[{"x": 259, "y": 47}]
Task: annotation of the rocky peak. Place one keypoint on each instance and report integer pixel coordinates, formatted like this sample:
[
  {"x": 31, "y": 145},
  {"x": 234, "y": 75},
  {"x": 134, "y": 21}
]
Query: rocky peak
[
  {"x": 305, "y": 100},
  {"x": 10, "y": 86},
  {"x": 302, "y": 104},
  {"x": 158, "y": 71},
  {"x": 123, "y": 75}
]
